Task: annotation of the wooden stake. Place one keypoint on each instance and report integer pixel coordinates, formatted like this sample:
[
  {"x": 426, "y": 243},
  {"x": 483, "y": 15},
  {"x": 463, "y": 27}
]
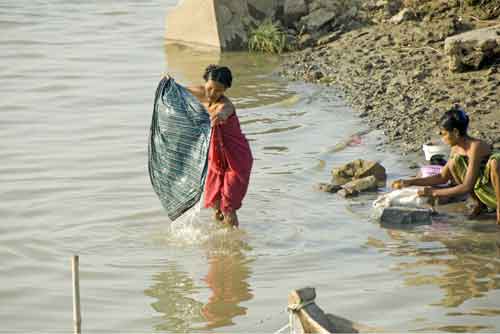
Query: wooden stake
[{"x": 77, "y": 318}]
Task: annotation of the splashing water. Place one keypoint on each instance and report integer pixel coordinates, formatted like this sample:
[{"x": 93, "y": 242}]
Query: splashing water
[
  {"x": 190, "y": 228},
  {"x": 194, "y": 228}
]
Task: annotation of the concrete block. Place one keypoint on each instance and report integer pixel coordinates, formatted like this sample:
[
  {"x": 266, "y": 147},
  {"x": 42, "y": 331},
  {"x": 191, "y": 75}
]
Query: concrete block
[
  {"x": 406, "y": 216},
  {"x": 222, "y": 24}
]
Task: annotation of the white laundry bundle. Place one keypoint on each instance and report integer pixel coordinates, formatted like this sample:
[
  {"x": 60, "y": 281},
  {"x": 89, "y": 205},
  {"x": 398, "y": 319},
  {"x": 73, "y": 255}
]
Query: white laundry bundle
[{"x": 401, "y": 198}]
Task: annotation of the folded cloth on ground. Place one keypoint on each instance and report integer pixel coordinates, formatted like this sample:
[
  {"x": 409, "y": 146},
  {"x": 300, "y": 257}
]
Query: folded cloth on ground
[{"x": 179, "y": 139}]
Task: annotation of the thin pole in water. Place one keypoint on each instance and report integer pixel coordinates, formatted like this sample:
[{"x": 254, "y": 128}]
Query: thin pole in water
[{"x": 77, "y": 317}]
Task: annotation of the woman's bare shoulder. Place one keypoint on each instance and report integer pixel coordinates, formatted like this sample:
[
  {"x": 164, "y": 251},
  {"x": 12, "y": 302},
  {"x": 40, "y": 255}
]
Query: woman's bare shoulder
[
  {"x": 227, "y": 101},
  {"x": 480, "y": 147}
]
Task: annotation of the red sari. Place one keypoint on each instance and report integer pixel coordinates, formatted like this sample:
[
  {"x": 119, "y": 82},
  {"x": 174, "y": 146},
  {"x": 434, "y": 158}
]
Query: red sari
[{"x": 229, "y": 164}]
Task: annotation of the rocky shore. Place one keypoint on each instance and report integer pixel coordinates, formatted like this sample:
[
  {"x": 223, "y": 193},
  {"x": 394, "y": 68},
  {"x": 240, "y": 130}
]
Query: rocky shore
[{"x": 395, "y": 73}]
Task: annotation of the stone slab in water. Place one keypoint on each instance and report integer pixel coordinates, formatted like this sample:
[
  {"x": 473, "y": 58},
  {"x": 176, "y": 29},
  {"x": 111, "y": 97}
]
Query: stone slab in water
[{"x": 407, "y": 216}]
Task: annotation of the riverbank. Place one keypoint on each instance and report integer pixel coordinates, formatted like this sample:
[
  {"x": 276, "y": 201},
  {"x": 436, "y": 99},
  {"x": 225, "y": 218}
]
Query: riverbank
[{"x": 396, "y": 77}]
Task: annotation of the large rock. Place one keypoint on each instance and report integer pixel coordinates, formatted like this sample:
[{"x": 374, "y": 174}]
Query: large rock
[
  {"x": 293, "y": 10},
  {"x": 357, "y": 186},
  {"x": 265, "y": 9},
  {"x": 358, "y": 169},
  {"x": 473, "y": 48},
  {"x": 231, "y": 16},
  {"x": 317, "y": 20},
  {"x": 326, "y": 5},
  {"x": 222, "y": 24}
]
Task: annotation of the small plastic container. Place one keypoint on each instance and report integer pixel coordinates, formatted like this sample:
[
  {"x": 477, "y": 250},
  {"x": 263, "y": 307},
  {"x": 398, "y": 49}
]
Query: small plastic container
[
  {"x": 432, "y": 149},
  {"x": 430, "y": 170}
]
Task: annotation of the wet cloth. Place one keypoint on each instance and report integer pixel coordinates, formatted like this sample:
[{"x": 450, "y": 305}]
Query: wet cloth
[
  {"x": 483, "y": 187},
  {"x": 401, "y": 198},
  {"x": 230, "y": 163},
  {"x": 179, "y": 140},
  {"x": 406, "y": 197}
]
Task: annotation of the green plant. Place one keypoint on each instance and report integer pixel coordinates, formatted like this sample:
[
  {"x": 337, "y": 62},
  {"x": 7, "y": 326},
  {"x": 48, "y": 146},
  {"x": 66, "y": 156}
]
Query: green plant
[{"x": 267, "y": 37}]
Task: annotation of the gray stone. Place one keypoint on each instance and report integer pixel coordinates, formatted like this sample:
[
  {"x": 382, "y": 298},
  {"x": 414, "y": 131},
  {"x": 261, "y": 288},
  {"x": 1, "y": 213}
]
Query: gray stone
[
  {"x": 354, "y": 187},
  {"x": 317, "y": 19},
  {"x": 393, "y": 6},
  {"x": 403, "y": 216},
  {"x": 471, "y": 49},
  {"x": 328, "y": 5},
  {"x": 293, "y": 10},
  {"x": 328, "y": 187},
  {"x": 262, "y": 9}
]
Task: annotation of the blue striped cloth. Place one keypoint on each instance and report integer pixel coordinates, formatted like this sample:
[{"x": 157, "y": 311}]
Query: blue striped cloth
[{"x": 179, "y": 139}]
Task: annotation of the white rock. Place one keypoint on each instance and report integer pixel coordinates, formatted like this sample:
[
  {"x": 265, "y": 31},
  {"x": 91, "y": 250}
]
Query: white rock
[{"x": 404, "y": 15}]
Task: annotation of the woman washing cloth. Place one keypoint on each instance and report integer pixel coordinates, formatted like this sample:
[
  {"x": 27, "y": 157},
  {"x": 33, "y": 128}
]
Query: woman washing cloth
[
  {"x": 229, "y": 158},
  {"x": 472, "y": 165}
]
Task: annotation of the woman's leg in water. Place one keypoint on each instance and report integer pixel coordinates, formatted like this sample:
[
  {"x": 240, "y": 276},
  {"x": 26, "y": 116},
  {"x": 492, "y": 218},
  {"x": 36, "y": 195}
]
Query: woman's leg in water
[
  {"x": 495, "y": 181},
  {"x": 217, "y": 211},
  {"x": 231, "y": 218}
]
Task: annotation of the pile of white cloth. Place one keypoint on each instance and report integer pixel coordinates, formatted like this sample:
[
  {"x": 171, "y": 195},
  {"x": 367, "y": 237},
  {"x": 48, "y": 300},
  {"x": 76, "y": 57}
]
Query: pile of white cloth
[{"x": 406, "y": 197}]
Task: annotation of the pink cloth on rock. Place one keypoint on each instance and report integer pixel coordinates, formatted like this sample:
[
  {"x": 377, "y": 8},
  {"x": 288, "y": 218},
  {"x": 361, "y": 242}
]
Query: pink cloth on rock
[{"x": 229, "y": 164}]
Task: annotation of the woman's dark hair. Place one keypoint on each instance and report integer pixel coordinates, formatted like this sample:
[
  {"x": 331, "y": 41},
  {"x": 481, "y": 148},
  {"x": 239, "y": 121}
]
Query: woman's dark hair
[
  {"x": 455, "y": 118},
  {"x": 221, "y": 74}
]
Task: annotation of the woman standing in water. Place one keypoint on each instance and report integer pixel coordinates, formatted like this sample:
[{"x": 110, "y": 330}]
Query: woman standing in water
[
  {"x": 230, "y": 158},
  {"x": 472, "y": 165}
]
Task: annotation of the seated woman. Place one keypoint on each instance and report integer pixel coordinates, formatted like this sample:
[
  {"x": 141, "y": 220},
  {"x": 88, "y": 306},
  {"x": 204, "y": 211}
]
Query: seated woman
[{"x": 472, "y": 165}]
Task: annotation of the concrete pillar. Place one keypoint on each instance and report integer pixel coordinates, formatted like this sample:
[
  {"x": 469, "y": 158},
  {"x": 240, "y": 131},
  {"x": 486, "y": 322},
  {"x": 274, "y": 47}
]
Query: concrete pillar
[
  {"x": 222, "y": 24},
  {"x": 193, "y": 21}
]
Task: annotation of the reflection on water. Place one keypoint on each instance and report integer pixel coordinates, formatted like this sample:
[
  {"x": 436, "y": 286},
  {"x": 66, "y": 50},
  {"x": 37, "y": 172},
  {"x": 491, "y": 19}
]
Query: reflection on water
[
  {"x": 227, "y": 281},
  {"x": 227, "y": 277},
  {"x": 173, "y": 289},
  {"x": 73, "y": 173},
  {"x": 463, "y": 264},
  {"x": 454, "y": 329}
]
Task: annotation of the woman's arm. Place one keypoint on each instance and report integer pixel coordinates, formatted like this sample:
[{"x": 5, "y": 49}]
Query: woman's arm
[
  {"x": 197, "y": 91},
  {"x": 432, "y": 180},
  {"x": 426, "y": 181}
]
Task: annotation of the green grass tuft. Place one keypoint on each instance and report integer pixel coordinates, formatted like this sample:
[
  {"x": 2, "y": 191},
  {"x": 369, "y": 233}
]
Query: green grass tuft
[{"x": 267, "y": 38}]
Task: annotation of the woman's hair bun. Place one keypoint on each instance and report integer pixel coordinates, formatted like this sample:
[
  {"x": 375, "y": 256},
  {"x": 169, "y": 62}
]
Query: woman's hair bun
[{"x": 221, "y": 74}]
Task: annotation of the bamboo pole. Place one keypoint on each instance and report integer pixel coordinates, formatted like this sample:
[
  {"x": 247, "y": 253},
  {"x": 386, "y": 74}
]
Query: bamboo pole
[{"x": 77, "y": 317}]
